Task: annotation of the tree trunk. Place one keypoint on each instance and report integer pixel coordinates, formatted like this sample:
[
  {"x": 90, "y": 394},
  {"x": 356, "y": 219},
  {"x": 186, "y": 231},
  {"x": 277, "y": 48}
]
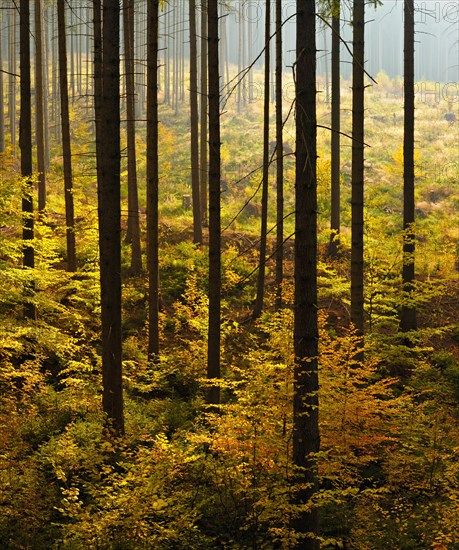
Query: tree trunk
[
  {"x": 335, "y": 223},
  {"x": 152, "y": 181},
  {"x": 203, "y": 138},
  {"x": 408, "y": 313},
  {"x": 194, "y": 123},
  {"x": 66, "y": 149},
  {"x": 214, "y": 336},
  {"x": 264, "y": 188},
  {"x": 25, "y": 145},
  {"x": 109, "y": 156},
  {"x": 2, "y": 106},
  {"x": 12, "y": 80},
  {"x": 133, "y": 223},
  {"x": 358, "y": 108},
  {"x": 39, "y": 109},
  {"x": 279, "y": 161},
  {"x": 306, "y": 383}
]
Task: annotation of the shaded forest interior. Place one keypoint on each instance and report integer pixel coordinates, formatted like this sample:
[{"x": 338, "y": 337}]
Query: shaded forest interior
[{"x": 229, "y": 257}]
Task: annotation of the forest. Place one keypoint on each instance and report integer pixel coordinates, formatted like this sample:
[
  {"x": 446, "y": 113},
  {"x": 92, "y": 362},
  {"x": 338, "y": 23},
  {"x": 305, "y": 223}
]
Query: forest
[{"x": 229, "y": 274}]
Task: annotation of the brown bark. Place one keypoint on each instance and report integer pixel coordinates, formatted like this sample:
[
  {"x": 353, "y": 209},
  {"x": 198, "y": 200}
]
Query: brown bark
[
  {"x": 408, "y": 313},
  {"x": 204, "y": 174},
  {"x": 194, "y": 124},
  {"x": 264, "y": 187},
  {"x": 152, "y": 181},
  {"x": 306, "y": 382},
  {"x": 357, "y": 193},
  {"x": 279, "y": 160},
  {"x": 66, "y": 147},
  {"x": 109, "y": 157},
  {"x": 214, "y": 335},
  {"x": 335, "y": 221},
  {"x": 25, "y": 145},
  {"x": 133, "y": 222}
]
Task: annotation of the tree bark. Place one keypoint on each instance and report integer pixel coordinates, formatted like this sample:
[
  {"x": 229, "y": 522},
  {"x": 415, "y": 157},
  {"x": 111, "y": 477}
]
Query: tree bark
[
  {"x": 357, "y": 193},
  {"x": 66, "y": 147},
  {"x": 214, "y": 336},
  {"x": 203, "y": 138},
  {"x": 264, "y": 188},
  {"x": 133, "y": 222},
  {"x": 2, "y": 106},
  {"x": 335, "y": 222},
  {"x": 25, "y": 145},
  {"x": 408, "y": 313},
  {"x": 279, "y": 160},
  {"x": 109, "y": 157},
  {"x": 306, "y": 382},
  {"x": 12, "y": 80},
  {"x": 194, "y": 124},
  {"x": 152, "y": 181}
]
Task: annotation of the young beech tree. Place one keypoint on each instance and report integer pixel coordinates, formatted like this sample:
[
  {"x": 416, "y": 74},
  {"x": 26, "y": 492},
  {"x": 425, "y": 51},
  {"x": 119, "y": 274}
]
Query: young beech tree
[
  {"x": 214, "y": 337},
  {"x": 107, "y": 84},
  {"x": 306, "y": 381}
]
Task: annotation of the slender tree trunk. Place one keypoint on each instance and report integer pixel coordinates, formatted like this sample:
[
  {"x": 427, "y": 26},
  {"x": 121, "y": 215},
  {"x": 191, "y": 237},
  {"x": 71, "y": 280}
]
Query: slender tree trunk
[
  {"x": 109, "y": 157},
  {"x": 133, "y": 228},
  {"x": 194, "y": 123},
  {"x": 408, "y": 313},
  {"x": 46, "y": 90},
  {"x": 152, "y": 181},
  {"x": 264, "y": 193},
  {"x": 306, "y": 383},
  {"x": 358, "y": 108},
  {"x": 12, "y": 80},
  {"x": 335, "y": 223},
  {"x": 25, "y": 145},
  {"x": 214, "y": 336},
  {"x": 279, "y": 161},
  {"x": 66, "y": 148},
  {"x": 203, "y": 138},
  {"x": 2, "y": 106},
  {"x": 39, "y": 109}
]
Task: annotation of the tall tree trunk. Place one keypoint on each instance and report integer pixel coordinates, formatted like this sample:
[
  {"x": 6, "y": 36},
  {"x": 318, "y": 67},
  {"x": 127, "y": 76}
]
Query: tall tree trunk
[
  {"x": 335, "y": 223},
  {"x": 133, "y": 222},
  {"x": 2, "y": 106},
  {"x": 264, "y": 188},
  {"x": 306, "y": 382},
  {"x": 280, "y": 160},
  {"x": 203, "y": 138},
  {"x": 46, "y": 89},
  {"x": 66, "y": 148},
  {"x": 358, "y": 108},
  {"x": 12, "y": 80},
  {"x": 214, "y": 336},
  {"x": 152, "y": 180},
  {"x": 408, "y": 313},
  {"x": 39, "y": 109},
  {"x": 25, "y": 145},
  {"x": 109, "y": 157},
  {"x": 194, "y": 123}
]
